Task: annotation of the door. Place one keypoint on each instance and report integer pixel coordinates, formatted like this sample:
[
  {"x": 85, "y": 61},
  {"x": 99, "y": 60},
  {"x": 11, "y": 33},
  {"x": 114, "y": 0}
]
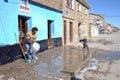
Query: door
[
  {"x": 71, "y": 31},
  {"x": 65, "y": 33},
  {"x": 22, "y": 24},
  {"x": 79, "y": 30},
  {"x": 49, "y": 32}
]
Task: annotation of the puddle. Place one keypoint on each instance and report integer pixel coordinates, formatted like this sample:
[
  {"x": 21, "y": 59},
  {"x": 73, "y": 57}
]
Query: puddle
[
  {"x": 92, "y": 65},
  {"x": 110, "y": 56}
]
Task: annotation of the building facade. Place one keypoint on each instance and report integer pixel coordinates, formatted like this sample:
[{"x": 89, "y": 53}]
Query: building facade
[
  {"x": 69, "y": 17},
  {"x": 19, "y": 16},
  {"x": 82, "y": 18},
  {"x": 75, "y": 20},
  {"x": 96, "y": 21}
]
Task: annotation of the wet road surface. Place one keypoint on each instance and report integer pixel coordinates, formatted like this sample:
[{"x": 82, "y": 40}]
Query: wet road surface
[
  {"x": 108, "y": 57},
  {"x": 53, "y": 64}
]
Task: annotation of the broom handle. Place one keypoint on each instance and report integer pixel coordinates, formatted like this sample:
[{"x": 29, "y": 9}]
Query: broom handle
[
  {"x": 22, "y": 51},
  {"x": 20, "y": 47}
]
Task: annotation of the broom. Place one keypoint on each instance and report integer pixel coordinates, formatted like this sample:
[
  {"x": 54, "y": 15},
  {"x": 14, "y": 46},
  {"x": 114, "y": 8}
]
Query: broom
[{"x": 25, "y": 60}]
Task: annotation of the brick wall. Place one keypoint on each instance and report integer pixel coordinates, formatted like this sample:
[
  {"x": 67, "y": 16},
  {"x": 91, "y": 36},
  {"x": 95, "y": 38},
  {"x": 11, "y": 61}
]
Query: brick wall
[{"x": 55, "y": 4}]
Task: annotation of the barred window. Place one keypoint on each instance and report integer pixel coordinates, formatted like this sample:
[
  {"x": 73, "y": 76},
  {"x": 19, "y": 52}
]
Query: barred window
[{"x": 70, "y": 4}]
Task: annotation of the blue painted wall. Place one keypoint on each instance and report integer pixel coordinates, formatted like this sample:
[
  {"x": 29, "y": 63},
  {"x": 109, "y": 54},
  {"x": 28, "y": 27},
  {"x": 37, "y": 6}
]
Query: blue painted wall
[
  {"x": 8, "y": 21},
  {"x": 39, "y": 15}
]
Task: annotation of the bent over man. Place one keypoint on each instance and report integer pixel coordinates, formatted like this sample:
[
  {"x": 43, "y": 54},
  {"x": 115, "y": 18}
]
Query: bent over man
[{"x": 30, "y": 39}]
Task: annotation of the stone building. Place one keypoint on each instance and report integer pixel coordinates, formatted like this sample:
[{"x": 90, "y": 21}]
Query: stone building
[
  {"x": 75, "y": 20},
  {"x": 82, "y": 18}
]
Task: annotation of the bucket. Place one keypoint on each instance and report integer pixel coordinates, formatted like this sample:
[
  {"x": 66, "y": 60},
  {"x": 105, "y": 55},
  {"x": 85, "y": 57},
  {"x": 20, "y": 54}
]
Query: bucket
[{"x": 35, "y": 47}]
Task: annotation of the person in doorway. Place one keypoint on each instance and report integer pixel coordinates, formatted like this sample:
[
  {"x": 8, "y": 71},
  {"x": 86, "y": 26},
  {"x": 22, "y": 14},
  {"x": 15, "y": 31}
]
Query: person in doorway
[
  {"x": 85, "y": 44},
  {"x": 30, "y": 39}
]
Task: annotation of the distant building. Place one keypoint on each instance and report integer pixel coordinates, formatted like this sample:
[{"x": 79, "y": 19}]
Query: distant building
[
  {"x": 107, "y": 28},
  {"x": 96, "y": 22}
]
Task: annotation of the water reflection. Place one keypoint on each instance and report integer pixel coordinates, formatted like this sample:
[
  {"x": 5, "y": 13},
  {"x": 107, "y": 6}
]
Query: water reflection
[
  {"x": 92, "y": 65},
  {"x": 51, "y": 65},
  {"x": 59, "y": 59},
  {"x": 110, "y": 55}
]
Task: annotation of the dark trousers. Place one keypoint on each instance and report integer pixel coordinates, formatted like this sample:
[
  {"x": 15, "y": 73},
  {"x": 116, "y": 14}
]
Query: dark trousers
[{"x": 85, "y": 46}]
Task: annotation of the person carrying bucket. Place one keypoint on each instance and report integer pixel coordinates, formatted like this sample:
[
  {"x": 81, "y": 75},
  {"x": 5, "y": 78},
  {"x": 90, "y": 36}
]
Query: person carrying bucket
[{"x": 30, "y": 42}]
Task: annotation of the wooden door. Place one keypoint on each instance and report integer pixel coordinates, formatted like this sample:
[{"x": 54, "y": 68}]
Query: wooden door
[
  {"x": 71, "y": 31},
  {"x": 65, "y": 33},
  {"x": 22, "y": 24},
  {"x": 49, "y": 33}
]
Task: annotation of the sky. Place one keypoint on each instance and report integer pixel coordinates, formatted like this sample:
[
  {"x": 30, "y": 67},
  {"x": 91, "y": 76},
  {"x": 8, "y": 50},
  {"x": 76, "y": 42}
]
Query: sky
[{"x": 109, "y": 8}]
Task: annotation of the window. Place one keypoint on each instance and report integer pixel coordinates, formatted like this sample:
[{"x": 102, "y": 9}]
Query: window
[
  {"x": 70, "y": 4},
  {"x": 79, "y": 7},
  {"x": 24, "y": 2},
  {"x": 86, "y": 12},
  {"x": 6, "y": 0}
]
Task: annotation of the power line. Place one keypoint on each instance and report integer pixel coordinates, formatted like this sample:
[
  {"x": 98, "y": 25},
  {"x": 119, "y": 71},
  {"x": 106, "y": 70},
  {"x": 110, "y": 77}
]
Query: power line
[{"x": 112, "y": 16}]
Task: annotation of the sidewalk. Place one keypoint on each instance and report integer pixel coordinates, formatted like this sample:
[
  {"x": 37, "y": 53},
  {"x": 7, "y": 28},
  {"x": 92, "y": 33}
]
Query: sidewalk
[{"x": 54, "y": 64}]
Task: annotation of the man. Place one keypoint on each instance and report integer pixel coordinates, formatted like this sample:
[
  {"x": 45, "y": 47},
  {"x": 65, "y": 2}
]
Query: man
[
  {"x": 85, "y": 45},
  {"x": 30, "y": 39}
]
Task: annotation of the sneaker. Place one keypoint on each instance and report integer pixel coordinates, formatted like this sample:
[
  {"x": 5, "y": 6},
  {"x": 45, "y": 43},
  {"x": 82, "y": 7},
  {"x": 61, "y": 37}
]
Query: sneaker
[
  {"x": 29, "y": 60},
  {"x": 36, "y": 58}
]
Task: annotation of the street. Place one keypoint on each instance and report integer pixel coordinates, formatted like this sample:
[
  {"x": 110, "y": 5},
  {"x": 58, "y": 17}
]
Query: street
[
  {"x": 59, "y": 40},
  {"x": 108, "y": 58},
  {"x": 64, "y": 62},
  {"x": 58, "y": 63}
]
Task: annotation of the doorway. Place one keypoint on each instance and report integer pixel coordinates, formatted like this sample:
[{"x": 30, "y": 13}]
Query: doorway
[
  {"x": 71, "y": 31},
  {"x": 23, "y": 28},
  {"x": 49, "y": 32},
  {"x": 79, "y": 30},
  {"x": 65, "y": 32}
]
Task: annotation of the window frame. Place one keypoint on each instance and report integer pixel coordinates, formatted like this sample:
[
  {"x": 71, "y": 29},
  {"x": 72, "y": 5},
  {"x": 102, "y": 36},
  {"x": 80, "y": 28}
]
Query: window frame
[{"x": 70, "y": 4}]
